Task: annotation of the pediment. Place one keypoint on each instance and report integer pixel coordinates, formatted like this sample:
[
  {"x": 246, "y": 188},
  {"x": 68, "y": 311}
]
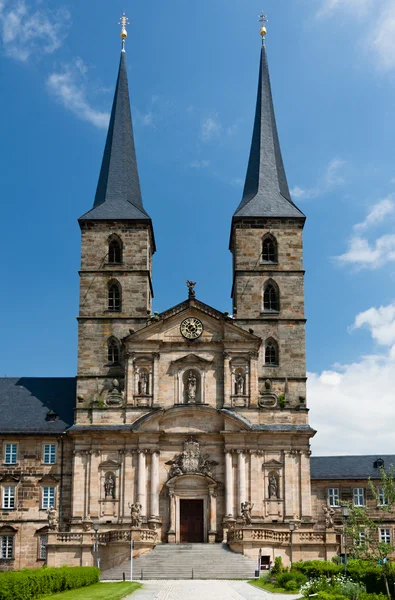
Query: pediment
[
  {"x": 273, "y": 463},
  {"x": 191, "y": 359},
  {"x": 49, "y": 479},
  {"x": 217, "y": 327},
  {"x": 191, "y": 419},
  {"x": 9, "y": 479},
  {"x": 108, "y": 465}
]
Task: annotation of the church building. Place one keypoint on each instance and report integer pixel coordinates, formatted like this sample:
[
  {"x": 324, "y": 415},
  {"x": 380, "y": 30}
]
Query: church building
[{"x": 188, "y": 426}]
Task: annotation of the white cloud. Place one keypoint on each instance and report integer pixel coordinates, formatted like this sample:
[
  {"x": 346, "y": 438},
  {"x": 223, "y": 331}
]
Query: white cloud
[
  {"x": 199, "y": 164},
  {"x": 331, "y": 178},
  {"x": 25, "y": 30},
  {"x": 210, "y": 128},
  {"x": 69, "y": 89},
  {"x": 381, "y": 40},
  {"x": 377, "y": 214},
  {"x": 380, "y": 322},
  {"x": 237, "y": 182},
  {"x": 146, "y": 120},
  {"x": 352, "y": 405},
  {"x": 364, "y": 255}
]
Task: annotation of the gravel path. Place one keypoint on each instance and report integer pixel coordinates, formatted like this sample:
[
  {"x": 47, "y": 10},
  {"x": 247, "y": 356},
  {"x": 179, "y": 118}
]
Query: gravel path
[{"x": 203, "y": 590}]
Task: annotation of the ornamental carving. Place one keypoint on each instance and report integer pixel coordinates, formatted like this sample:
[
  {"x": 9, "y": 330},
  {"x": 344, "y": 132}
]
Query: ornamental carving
[{"x": 191, "y": 461}]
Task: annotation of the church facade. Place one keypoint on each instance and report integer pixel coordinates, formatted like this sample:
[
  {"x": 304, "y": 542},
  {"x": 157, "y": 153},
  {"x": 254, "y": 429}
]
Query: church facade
[{"x": 189, "y": 426}]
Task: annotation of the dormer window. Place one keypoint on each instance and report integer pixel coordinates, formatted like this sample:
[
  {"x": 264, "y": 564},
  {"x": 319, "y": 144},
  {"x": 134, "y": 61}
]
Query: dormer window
[{"x": 379, "y": 462}]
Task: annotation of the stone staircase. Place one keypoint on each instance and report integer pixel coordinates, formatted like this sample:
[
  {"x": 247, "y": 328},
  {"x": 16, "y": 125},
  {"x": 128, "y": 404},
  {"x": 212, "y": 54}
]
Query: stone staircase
[{"x": 186, "y": 561}]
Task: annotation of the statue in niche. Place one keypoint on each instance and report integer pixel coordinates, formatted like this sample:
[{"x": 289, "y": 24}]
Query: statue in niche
[
  {"x": 273, "y": 486},
  {"x": 115, "y": 396},
  {"x": 329, "y": 514},
  {"x": 53, "y": 522},
  {"x": 135, "y": 514},
  {"x": 191, "y": 386},
  {"x": 240, "y": 384},
  {"x": 246, "y": 509},
  {"x": 109, "y": 486},
  {"x": 144, "y": 383}
]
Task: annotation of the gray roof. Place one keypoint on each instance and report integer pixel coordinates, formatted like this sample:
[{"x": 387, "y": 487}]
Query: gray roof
[
  {"x": 118, "y": 194},
  {"x": 266, "y": 192},
  {"x": 349, "y": 467},
  {"x": 26, "y": 401}
]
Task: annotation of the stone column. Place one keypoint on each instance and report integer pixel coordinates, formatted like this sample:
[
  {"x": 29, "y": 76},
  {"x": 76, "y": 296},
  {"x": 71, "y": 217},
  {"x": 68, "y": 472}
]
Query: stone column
[
  {"x": 305, "y": 495},
  {"x": 142, "y": 483},
  {"x": 171, "y": 534},
  {"x": 155, "y": 391},
  {"x": 154, "y": 509},
  {"x": 253, "y": 371},
  {"x": 213, "y": 516},
  {"x": 130, "y": 380},
  {"x": 289, "y": 486},
  {"x": 241, "y": 471},
  {"x": 229, "y": 484},
  {"x": 227, "y": 380}
]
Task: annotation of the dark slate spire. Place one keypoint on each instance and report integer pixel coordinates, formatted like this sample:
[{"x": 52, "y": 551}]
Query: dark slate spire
[
  {"x": 118, "y": 194},
  {"x": 266, "y": 192}
]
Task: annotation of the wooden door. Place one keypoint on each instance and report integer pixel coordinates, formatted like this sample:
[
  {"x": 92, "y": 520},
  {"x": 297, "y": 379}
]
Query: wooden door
[{"x": 191, "y": 522}]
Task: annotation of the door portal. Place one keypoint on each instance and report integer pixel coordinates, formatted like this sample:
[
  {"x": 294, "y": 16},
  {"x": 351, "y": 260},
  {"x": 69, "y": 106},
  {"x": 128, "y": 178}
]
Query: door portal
[{"x": 191, "y": 522}]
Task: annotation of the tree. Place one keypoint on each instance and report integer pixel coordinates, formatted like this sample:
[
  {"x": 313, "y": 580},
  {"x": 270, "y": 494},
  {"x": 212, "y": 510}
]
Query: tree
[{"x": 366, "y": 535}]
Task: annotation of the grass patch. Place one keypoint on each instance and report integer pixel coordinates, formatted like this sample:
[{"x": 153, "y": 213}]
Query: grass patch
[
  {"x": 269, "y": 587},
  {"x": 98, "y": 591}
]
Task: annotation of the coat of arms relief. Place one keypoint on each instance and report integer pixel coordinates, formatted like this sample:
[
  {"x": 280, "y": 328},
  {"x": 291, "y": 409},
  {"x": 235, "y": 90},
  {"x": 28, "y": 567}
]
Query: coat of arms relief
[{"x": 191, "y": 461}]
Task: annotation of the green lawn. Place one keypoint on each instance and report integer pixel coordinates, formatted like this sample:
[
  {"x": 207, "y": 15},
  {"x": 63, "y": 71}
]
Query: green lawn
[
  {"x": 269, "y": 587},
  {"x": 98, "y": 591}
]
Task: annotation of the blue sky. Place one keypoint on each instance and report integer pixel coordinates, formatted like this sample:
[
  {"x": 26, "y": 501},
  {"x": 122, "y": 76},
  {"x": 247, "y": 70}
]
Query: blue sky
[{"x": 193, "y": 69}]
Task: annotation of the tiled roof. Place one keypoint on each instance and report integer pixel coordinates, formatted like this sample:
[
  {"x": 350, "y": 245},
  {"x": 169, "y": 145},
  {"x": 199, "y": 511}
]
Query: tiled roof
[
  {"x": 36, "y": 404},
  {"x": 266, "y": 192},
  {"x": 349, "y": 467}
]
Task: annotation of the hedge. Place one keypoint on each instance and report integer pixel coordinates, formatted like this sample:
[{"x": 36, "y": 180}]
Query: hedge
[{"x": 33, "y": 583}]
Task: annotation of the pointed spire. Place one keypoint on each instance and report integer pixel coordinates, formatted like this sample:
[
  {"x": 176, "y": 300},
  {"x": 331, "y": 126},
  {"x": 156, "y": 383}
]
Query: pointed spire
[
  {"x": 266, "y": 192},
  {"x": 118, "y": 194}
]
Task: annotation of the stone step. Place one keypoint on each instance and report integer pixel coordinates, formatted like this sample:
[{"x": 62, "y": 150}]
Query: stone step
[{"x": 184, "y": 561}]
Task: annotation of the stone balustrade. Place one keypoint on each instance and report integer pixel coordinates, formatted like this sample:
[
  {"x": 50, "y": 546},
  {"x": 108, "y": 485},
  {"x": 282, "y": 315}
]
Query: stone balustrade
[{"x": 252, "y": 534}]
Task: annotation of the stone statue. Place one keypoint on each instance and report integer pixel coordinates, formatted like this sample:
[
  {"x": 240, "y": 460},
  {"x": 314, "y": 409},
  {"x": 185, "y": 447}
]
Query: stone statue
[
  {"x": 144, "y": 383},
  {"x": 191, "y": 291},
  {"x": 329, "y": 514},
  {"x": 115, "y": 396},
  {"x": 109, "y": 486},
  {"x": 246, "y": 509},
  {"x": 205, "y": 465},
  {"x": 239, "y": 384},
  {"x": 135, "y": 514},
  {"x": 192, "y": 385},
  {"x": 53, "y": 522},
  {"x": 273, "y": 486}
]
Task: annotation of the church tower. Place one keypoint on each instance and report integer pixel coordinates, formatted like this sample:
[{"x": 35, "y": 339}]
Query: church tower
[
  {"x": 266, "y": 243},
  {"x": 116, "y": 256}
]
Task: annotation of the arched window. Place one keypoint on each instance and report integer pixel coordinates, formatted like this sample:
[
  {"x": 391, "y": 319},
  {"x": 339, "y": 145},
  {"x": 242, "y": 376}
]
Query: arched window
[
  {"x": 271, "y": 301},
  {"x": 113, "y": 351},
  {"x": 271, "y": 352},
  {"x": 269, "y": 249},
  {"x": 114, "y": 297},
  {"x": 114, "y": 250}
]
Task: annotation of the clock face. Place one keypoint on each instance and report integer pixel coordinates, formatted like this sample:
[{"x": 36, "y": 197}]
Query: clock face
[{"x": 191, "y": 328}]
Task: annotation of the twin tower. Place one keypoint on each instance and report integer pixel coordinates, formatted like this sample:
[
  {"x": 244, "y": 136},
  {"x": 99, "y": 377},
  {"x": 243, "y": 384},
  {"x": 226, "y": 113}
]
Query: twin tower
[{"x": 118, "y": 242}]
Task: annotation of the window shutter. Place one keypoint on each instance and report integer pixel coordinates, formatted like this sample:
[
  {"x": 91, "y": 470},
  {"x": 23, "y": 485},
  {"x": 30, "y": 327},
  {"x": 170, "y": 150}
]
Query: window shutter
[{"x": 346, "y": 493}]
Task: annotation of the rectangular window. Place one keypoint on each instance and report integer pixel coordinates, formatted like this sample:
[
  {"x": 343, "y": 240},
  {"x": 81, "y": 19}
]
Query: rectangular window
[
  {"x": 9, "y": 496},
  {"x": 49, "y": 454},
  {"x": 359, "y": 497},
  {"x": 42, "y": 555},
  {"x": 333, "y": 496},
  {"x": 10, "y": 454},
  {"x": 385, "y": 536},
  {"x": 361, "y": 540},
  {"x": 48, "y": 497},
  {"x": 382, "y": 497},
  {"x": 7, "y": 546}
]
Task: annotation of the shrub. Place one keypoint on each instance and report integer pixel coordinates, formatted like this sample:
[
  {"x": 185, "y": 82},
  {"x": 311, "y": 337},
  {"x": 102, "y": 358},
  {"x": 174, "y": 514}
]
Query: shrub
[
  {"x": 330, "y": 596},
  {"x": 296, "y": 578},
  {"x": 292, "y": 585},
  {"x": 318, "y": 568},
  {"x": 366, "y": 596},
  {"x": 278, "y": 566},
  {"x": 28, "y": 584}
]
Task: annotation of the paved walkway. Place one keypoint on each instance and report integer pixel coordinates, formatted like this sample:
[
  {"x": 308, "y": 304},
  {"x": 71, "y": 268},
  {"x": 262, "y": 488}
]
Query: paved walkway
[{"x": 203, "y": 590}]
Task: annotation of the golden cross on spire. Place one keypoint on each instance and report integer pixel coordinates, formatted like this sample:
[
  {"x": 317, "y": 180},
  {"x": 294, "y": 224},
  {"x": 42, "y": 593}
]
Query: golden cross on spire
[
  {"x": 124, "y": 22},
  {"x": 263, "y": 31}
]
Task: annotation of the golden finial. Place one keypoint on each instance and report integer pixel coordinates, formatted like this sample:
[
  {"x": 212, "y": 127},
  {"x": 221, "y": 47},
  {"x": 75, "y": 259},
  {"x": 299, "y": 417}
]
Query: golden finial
[
  {"x": 124, "y": 22},
  {"x": 263, "y": 31}
]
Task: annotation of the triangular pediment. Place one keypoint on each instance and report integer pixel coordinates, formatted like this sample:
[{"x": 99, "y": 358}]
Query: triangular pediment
[
  {"x": 216, "y": 327},
  {"x": 109, "y": 464},
  {"x": 273, "y": 463}
]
